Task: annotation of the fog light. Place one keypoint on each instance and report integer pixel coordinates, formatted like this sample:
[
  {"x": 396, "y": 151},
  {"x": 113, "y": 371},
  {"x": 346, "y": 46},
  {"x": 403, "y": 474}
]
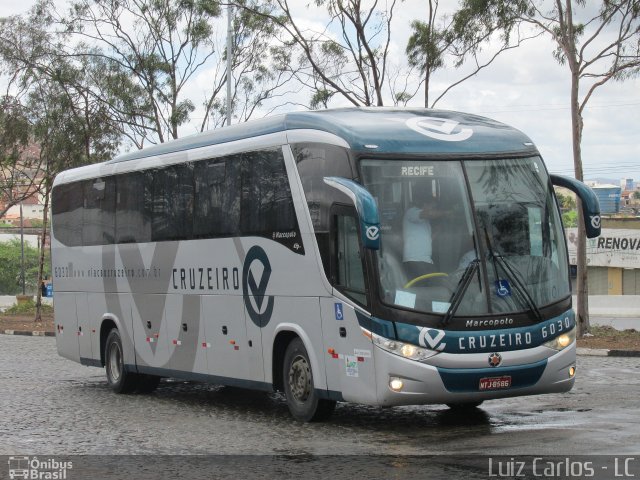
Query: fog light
[
  {"x": 572, "y": 371},
  {"x": 396, "y": 384},
  {"x": 564, "y": 340}
]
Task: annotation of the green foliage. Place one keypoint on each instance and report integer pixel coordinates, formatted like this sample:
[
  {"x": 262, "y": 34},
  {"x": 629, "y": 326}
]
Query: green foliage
[
  {"x": 566, "y": 202},
  {"x": 14, "y": 130},
  {"x": 152, "y": 58},
  {"x": 636, "y": 195},
  {"x": 570, "y": 219},
  {"x": 10, "y": 259},
  {"x": 36, "y": 223},
  {"x": 424, "y": 49},
  {"x": 321, "y": 98},
  {"x": 402, "y": 98},
  {"x": 28, "y": 308}
]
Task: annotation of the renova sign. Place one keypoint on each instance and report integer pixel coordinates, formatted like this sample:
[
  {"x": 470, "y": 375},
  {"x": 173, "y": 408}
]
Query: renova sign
[{"x": 439, "y": 128}]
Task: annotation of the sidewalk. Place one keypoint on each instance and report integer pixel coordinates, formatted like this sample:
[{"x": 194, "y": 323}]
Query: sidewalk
[
  {"x": 7, "y": 301},
  {"x": 621, "y": 312}
]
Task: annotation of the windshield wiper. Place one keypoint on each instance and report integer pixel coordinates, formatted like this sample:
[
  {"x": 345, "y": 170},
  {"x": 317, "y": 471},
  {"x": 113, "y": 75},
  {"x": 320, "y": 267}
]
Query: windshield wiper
[
  {"x": 514, "y": 276},
  {"x": 463, "y": 284}
]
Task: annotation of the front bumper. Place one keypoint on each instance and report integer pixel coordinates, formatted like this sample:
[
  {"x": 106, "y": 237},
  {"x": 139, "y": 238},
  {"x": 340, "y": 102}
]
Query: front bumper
[{"x": 431, "y": 383}]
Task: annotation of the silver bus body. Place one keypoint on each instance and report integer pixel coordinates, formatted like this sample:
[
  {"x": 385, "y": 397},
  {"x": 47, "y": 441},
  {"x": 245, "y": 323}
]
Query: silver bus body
[{"x": 222, "y": 308}]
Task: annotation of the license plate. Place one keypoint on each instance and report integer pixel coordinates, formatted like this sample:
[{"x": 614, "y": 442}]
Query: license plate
[{"x": 495, "y": 383}]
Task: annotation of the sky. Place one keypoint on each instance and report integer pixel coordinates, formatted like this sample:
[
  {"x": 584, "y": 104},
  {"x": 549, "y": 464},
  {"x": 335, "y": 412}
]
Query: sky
[{"x": 525, "y": 88}]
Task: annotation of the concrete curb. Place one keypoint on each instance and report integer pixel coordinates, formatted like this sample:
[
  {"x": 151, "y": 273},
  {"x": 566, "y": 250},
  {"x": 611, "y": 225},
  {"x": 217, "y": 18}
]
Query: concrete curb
[
  {"x": 27, "y": 333},
  {"x": 586, "y": 352},
  {"x": 602, "y": 352}
]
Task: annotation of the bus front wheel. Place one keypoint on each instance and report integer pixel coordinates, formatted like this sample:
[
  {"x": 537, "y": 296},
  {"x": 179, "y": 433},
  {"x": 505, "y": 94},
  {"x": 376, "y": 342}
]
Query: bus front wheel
[
  {"x": 465, "y": 406},
  {"x": 302, "y": 398},
  {"x": 119, "y": 380}
]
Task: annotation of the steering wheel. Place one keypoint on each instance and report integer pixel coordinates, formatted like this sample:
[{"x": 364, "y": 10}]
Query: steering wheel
[{"x": 415, "y": 280}]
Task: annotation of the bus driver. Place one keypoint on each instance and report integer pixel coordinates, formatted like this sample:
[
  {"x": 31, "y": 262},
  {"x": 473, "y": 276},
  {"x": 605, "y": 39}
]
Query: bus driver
[{"x": 417, "y": 234}]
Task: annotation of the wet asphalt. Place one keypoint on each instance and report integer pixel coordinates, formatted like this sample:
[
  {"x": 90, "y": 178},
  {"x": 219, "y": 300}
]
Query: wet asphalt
[{"x": 52, "y": 406}]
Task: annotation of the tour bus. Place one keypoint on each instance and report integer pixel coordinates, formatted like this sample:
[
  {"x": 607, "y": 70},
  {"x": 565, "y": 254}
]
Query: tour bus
[{"x": 272, "y": 255}]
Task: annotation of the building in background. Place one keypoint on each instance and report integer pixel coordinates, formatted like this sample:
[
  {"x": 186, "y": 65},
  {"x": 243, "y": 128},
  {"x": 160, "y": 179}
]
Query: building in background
[
  {"x": 22, "y": 183},
  {"x": 609, "y": 198},
  {"x": 613, "y": 259}
]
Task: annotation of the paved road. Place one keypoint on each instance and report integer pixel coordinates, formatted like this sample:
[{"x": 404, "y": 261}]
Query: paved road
[
  {"x": 50, "y": 405},
  {"x": 54, "y": 406}
]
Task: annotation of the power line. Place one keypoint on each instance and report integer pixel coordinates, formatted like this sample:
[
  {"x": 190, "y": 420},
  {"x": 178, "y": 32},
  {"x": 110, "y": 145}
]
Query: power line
[{"x": 550, "y": 107}]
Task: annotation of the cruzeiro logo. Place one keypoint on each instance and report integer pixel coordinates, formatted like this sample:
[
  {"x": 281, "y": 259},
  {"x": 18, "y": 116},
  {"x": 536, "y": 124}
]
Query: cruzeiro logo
[
  {"x": 431, "y": 338},
  {"x": 439, "y": 128},
  {"x": 254, "y": 292},
  {"x": 373, "y": 233}
]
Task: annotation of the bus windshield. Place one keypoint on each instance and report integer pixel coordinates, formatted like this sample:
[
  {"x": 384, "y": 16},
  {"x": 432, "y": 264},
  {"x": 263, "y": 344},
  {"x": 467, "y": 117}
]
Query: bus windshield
[{"x": 483, "y": 234}]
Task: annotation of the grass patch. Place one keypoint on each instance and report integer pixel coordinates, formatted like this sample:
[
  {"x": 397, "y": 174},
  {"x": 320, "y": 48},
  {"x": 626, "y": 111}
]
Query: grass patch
[
  {"x": 28, "y": 308},
  {"x": 613, "y": 334}
]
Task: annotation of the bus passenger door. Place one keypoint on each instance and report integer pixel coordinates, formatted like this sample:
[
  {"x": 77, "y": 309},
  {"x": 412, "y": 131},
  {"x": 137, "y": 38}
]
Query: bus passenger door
[{"x": 350, "y": 367}]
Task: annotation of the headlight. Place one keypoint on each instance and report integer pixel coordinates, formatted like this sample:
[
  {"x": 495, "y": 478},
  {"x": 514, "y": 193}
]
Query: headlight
[
  {"x": 402, "y": 349},
  {"x": 562, "y": 341}
]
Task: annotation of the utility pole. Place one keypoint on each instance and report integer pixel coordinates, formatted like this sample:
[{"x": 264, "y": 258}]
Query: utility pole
[
  {"x": 229, "y": 56},
  {"x": 22, "y": 251}
]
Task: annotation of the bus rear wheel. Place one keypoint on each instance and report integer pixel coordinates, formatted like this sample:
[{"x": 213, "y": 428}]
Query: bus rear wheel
[
  {"x": 302, "y": 398},
  {"x": 118, "y": 379}
]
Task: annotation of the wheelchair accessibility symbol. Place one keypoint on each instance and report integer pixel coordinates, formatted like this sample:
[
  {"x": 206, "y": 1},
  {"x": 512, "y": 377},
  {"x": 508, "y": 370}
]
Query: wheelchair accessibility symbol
[{"x": 503, "y": 289}]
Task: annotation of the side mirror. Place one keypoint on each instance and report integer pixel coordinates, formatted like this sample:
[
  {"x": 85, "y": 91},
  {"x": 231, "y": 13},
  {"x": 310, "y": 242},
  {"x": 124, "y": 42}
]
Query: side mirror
[
  {"x": 590, "y": 204},
  {"x": 365, "y": 207}
]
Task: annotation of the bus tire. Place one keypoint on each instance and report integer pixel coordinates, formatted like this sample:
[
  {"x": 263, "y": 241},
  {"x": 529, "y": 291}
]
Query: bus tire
[
  {"x": 119, "y": 380},
  {"x": 465, "y": 406},
  {"x": 302, "y": 398}
]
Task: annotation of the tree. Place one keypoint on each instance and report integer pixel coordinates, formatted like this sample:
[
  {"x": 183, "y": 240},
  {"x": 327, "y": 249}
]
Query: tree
[
  {"x": 636, "y": 195},
  {"x": 349, "y": 57},
  {"x": 597, "y": 44},
  {"x": 20, "y": 164},
  {"x": 260, "y": 70},
  {"x": 159, "y": 45},
  {"x": 565, "y": 200},
  {"x": 10, "y": 273},
  {"x": 68, "y": 123},
  {"x": 455, "y": 40}
]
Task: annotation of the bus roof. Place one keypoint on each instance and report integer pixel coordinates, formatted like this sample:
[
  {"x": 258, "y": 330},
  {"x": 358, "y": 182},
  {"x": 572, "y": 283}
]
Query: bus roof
[{"x": 370, "y": 129}]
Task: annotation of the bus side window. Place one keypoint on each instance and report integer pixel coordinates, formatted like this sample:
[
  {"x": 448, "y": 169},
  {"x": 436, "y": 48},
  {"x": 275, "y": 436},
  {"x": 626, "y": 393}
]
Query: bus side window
[
  {"x": 98, "y": 214},
  {"x": 172, "y": 203},
  {"x": 132, "y": 224},
  {"x": 267, "y": 205},
  {"x": 217, "y": 197},
  {"x": 348, "y": 270},
  {"x": 67, "y": 213},
  {"x": 314, "y": 162}
]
